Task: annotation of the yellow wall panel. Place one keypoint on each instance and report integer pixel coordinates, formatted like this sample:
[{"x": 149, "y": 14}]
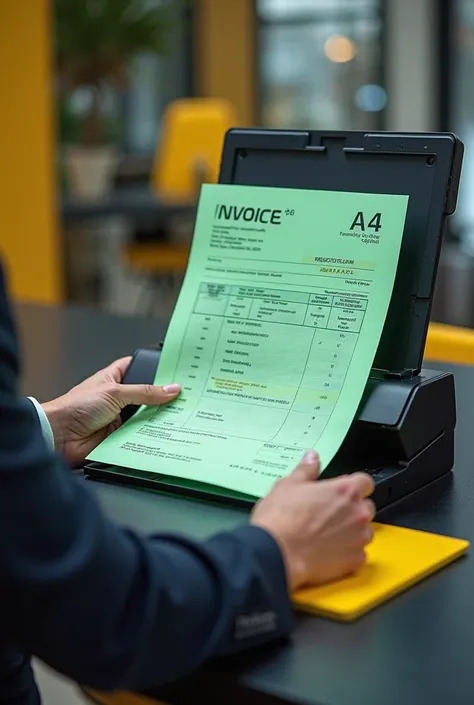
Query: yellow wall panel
[
  {"x": 28, "y": 239},
  {"x": 226, "y": 54}
]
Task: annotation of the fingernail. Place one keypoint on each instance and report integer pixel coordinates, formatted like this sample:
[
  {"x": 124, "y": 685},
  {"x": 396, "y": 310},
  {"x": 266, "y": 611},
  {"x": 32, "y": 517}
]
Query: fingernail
[
  {"x": 171, "y": 388},
  {"x": 310, "y": 457}
]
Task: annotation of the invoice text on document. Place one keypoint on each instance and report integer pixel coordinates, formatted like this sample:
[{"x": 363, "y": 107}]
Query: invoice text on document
[{"x": 273, "y": 335}]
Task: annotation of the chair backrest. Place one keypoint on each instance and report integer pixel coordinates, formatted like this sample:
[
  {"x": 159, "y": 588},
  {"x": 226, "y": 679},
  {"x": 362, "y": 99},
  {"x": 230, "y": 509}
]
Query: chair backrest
[
  {"x": 450, "y": 344},
  {"x": 189, "y": 152}
]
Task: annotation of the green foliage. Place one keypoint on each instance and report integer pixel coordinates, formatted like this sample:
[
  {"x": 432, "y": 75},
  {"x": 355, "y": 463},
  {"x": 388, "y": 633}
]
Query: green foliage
[
  {"x": 95, "y": 43},
  {"x": 75, "y": 127},
  {"x": 97, "y": 39}
]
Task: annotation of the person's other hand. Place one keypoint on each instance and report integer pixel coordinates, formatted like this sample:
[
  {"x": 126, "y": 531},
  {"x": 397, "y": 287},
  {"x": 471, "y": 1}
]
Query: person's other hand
[
  {"x": 88, "y": 413},
  {"x": 322, "y": 527}
]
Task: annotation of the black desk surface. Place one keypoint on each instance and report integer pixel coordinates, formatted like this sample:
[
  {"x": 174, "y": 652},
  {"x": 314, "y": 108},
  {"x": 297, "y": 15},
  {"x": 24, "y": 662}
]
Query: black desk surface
[{"x": 416, "y": 650}]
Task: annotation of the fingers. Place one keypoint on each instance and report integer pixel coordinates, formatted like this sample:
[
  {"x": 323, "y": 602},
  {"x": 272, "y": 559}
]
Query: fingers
[
  {"x": 364, "y": 532},
  {"x": 145, "y": 394},
  {"x": 360, "y": 483},
  {"x": 308, "y": 469},
  {"x": 118, "y": 368},
  {"x": 353, "y": 490},
  {"x": 112, "y": 373},
  {"x": 371, "y": 509},
  {"x": 368, "y": 535},
  {"x": 356, "y": 562}
]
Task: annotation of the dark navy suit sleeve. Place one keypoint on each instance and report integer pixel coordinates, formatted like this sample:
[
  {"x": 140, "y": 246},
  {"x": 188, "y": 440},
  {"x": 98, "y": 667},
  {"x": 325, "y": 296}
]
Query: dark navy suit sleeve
[{"x": 105, "y": 606}]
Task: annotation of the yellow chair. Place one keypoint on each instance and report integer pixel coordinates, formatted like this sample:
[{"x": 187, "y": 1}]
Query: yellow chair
[
  {"x": 189, "y": 155},
  {"x": 450, "y": 344}
]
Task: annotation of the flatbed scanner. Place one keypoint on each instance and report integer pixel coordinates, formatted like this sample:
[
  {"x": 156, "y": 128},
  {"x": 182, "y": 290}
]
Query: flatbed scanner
[{"x": 403, "y": 433}]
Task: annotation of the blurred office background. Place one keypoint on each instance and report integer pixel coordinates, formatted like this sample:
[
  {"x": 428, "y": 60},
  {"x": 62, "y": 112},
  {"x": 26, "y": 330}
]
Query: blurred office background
[{"x": 113, "y": 115}]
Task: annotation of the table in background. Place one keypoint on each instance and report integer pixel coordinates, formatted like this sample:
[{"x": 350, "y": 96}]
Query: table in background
[
  {"x": 96, "y": 237},
  {"x": 135, "y": 203},
  {"x": 416, "y": 650}
]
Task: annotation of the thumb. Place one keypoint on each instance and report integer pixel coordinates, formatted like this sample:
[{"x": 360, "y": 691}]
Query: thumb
[
  {"x": 145, "y": 394},
  {"x": 308, "y": 469}
]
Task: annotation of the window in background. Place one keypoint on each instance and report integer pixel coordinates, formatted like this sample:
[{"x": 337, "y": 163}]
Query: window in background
[
  {"x": 461, "y": 111},
  {"x": 155, "y": 81},
  {"x": 132, "y": 111},
  {"x": 321, "y": 64}
]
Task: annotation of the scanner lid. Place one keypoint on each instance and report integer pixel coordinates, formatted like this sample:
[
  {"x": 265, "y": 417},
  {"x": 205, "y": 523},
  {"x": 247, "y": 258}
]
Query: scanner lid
[{"x": 426, "y": 167}]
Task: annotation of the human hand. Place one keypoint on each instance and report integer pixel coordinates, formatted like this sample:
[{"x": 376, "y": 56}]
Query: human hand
[
  {"x": 321, "y": 527},
  {"x": 88, "y": 413}
]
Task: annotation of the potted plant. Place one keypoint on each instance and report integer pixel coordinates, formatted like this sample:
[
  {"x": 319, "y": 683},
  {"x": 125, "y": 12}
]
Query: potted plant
[{"x": 96, "y": 41}]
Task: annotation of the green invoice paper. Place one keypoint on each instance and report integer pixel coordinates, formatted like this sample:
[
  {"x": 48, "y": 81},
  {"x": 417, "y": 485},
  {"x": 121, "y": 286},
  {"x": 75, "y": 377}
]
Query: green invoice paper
[{"x": 273, "y": 336}]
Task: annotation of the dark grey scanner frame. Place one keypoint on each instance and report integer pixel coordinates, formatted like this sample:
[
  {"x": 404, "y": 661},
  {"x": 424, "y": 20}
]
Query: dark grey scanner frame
[{"x": 404, "y": 429}]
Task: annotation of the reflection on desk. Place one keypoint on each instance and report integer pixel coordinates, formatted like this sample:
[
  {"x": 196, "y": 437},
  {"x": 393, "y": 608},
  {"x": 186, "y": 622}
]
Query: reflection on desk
[{"x": 119, "y": 698}]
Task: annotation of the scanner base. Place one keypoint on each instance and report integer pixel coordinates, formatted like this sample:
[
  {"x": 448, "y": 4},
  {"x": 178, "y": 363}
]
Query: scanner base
[
  {"x": 432, "y": 463},
  {"x": 391, "y": 484},
  {"x": 403, "y": 435}
]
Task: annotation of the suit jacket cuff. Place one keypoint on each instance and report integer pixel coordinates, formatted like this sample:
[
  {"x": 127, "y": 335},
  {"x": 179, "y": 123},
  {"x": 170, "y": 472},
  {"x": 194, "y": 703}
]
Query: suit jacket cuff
[
  {"x": 265, "y": 611},
  {"x": 46, "y": 429}
]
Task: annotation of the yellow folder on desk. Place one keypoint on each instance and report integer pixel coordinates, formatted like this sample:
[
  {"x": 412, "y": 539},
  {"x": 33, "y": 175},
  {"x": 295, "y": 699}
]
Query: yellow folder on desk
[{"x": 397, "y": 558}]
